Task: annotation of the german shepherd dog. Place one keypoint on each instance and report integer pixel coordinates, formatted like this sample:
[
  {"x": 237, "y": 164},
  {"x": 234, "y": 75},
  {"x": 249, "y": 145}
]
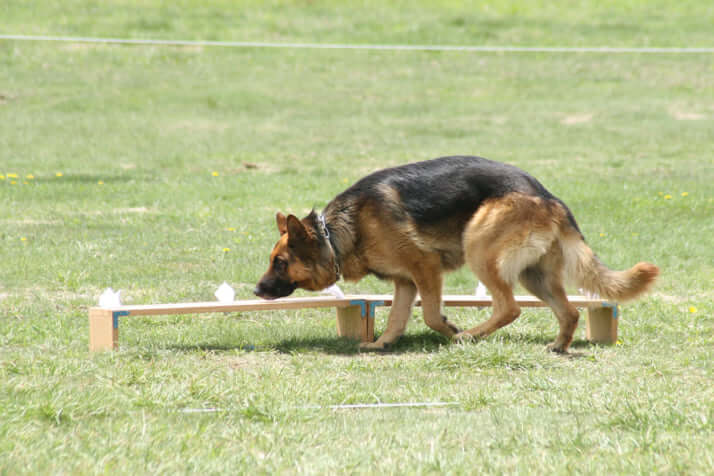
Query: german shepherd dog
[{"x": 412, "y": 223}]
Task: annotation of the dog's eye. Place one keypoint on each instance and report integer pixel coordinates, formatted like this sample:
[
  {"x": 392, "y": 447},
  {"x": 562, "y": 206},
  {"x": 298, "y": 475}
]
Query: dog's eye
[{"x": 279, "y": 264}]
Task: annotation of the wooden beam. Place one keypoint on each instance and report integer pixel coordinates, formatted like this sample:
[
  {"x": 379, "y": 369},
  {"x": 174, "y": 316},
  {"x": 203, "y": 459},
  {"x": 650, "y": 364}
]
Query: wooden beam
[
  {"x": 601, "y": 317},
  {"x": 235, "y": 306},
  {"x": 456, "y": 300},
  {"x": 355, "y": 313}
]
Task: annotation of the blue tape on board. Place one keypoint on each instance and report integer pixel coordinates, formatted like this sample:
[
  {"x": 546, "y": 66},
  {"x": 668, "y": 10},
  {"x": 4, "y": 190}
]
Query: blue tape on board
[
  {"x": 615, "y": 308},
  {"x": 115, "y": 317},
  {"x": 362, "y": 304}
]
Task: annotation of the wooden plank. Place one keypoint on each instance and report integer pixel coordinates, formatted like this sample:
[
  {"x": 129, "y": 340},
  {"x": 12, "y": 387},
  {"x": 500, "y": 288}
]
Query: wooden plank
[
  {"x": 320, "y": 302},
  {"x": 104, "y": 331},
  {"x": 235, "y": 306},
  {"x": 455, "y": 300}
]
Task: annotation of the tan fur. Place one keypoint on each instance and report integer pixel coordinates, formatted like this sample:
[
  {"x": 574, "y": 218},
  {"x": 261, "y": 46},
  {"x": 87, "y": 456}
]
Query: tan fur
[
  {"x": 585, "y": 270},
  {"x": 530, "y": 239}
]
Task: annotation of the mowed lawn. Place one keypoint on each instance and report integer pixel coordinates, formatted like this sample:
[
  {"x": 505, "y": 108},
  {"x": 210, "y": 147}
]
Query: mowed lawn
[{"x": 158, "y": 171}]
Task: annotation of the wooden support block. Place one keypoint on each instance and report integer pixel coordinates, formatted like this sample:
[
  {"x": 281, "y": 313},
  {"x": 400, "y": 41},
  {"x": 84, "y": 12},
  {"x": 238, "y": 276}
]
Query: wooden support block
[
  {"x": 601, "y": 324},
  {"x": 352, "y": 324},
  {"x": 103, "y": 329}
]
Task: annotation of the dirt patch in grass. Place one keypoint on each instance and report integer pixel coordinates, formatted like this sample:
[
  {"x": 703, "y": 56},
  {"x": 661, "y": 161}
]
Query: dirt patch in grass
[
  {"x": 576, "y": 119},
  {"x": 139, "y": 210},
  {"x": 687, "y": 115},
  {"x": 201, "y": 125}
]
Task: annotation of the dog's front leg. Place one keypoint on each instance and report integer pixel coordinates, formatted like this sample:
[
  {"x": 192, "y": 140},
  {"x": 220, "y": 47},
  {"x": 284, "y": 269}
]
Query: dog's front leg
[
  {"x": 404, "y": 294},
  {"x": 429, "y": 286}
]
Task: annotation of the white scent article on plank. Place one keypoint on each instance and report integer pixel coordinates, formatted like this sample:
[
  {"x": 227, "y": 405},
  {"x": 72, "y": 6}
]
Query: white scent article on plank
[
  {"x": 334, "y": 290},
  {"x": 481, "y": 291},
  {"x": 225, "y": 293},
  {"x": 109, "y": 298}
]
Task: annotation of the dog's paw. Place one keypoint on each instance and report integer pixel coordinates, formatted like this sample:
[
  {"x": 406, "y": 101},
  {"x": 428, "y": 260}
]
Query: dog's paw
[
  {"x": 451, "y": 326},
  {"x": 463, "y": 338},
  {"x": 555, "y": 348},
  {"x": 374, "y": 347}
]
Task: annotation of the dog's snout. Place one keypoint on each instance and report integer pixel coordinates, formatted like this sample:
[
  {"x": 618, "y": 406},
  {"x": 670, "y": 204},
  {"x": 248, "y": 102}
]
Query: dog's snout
[
  {"x": 259, "y": 289},
  {"x": 271, "y": 288}
]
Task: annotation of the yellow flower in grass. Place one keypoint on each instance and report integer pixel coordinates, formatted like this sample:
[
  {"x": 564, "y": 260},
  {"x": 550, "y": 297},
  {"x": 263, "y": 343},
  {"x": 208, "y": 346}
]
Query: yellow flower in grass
[
  {"x": 603, "y": 234},
  {"x": 692, "y": 309},
  {"x": 2, "y": 177},
  {"x": 13, "y": 182},
  {"x": 101, "y": 182},
  {"x": 230, "y": 228},
  {"x": 59, "y": 174},
  {"x": 215, "y": 174},
  {"x": 23, "y": 239},
  {"x": 684, "y": 194},
  {"x": 11, "y": 175},
  {"x": 668, "y": 197},
  {"x": 226, "y": 250},
  {"x": 30, "y": 177}
]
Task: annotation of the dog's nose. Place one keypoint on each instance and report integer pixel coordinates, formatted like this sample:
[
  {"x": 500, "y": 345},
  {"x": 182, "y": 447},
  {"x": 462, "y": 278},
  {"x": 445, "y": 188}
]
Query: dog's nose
[{"x": 257, "y": 291}]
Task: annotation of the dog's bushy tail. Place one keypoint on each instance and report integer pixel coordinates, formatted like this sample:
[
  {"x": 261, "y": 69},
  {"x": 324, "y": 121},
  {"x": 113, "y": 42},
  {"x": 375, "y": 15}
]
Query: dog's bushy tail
[{"x": 584, "y": 269}]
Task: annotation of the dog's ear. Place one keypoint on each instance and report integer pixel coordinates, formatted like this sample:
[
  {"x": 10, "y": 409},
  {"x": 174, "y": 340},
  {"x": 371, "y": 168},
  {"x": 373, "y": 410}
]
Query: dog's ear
[
  {"x": 297, "y": 233},
  {"x": 282, "y": 223}
]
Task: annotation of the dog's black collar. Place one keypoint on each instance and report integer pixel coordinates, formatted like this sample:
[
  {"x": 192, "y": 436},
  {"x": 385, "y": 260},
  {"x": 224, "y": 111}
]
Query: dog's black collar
[{"x": 322, "y": 222}]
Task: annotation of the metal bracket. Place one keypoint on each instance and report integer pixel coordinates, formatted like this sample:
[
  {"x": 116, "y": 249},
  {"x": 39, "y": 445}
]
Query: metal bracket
[
  {"x": 372, "y": 306},
  {"x": 366, "y": 307},
  {"x": 115, "y": 317},
  {"x": 615, "y": 308},
  {"x": 362, "y": 305}
]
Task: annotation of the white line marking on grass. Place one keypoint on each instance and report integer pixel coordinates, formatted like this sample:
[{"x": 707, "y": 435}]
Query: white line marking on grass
[
  {"x": 201, "y": 410},
  {"x": 382, "y": 405},
  {"x": 338, "y": 407},
  {"x": 346, "y": 46}
]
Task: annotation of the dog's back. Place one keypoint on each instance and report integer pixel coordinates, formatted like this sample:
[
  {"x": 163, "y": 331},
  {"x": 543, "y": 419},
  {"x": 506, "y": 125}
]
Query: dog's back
[
  {"x": 429, "y": 204},
  {"x": 442, "y": 192}
]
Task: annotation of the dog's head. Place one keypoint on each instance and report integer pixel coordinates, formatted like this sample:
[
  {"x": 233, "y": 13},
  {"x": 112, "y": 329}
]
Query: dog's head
[{"x": 300, "y": 259}]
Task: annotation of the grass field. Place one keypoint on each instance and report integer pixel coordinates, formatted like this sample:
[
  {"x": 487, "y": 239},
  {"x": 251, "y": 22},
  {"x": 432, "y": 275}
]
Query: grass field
[{"x": 158, "y": 171}]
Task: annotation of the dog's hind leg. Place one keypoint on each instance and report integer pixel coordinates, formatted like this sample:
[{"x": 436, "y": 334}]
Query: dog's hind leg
[
  {"x": 543, "y": 280},
  {"x": 503, "y": 238},
  {"x": 505, "y": 308},
  {"x": 404, "y": 294}
]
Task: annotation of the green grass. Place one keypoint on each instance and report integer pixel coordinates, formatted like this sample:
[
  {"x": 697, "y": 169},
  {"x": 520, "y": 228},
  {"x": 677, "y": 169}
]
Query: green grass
[{"x": 624, "y": 140}]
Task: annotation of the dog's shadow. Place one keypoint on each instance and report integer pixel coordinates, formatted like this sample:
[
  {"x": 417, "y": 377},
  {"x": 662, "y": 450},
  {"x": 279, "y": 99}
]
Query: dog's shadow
[
  {"x": 418, "y": 343},
  {"x": 427, "y": 342}
]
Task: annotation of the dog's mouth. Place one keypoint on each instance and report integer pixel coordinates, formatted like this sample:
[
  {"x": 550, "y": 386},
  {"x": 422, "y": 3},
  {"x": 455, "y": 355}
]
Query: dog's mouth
[
  {"x": 275, "y": 290},
  {"x": 266, "y": 296}
]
